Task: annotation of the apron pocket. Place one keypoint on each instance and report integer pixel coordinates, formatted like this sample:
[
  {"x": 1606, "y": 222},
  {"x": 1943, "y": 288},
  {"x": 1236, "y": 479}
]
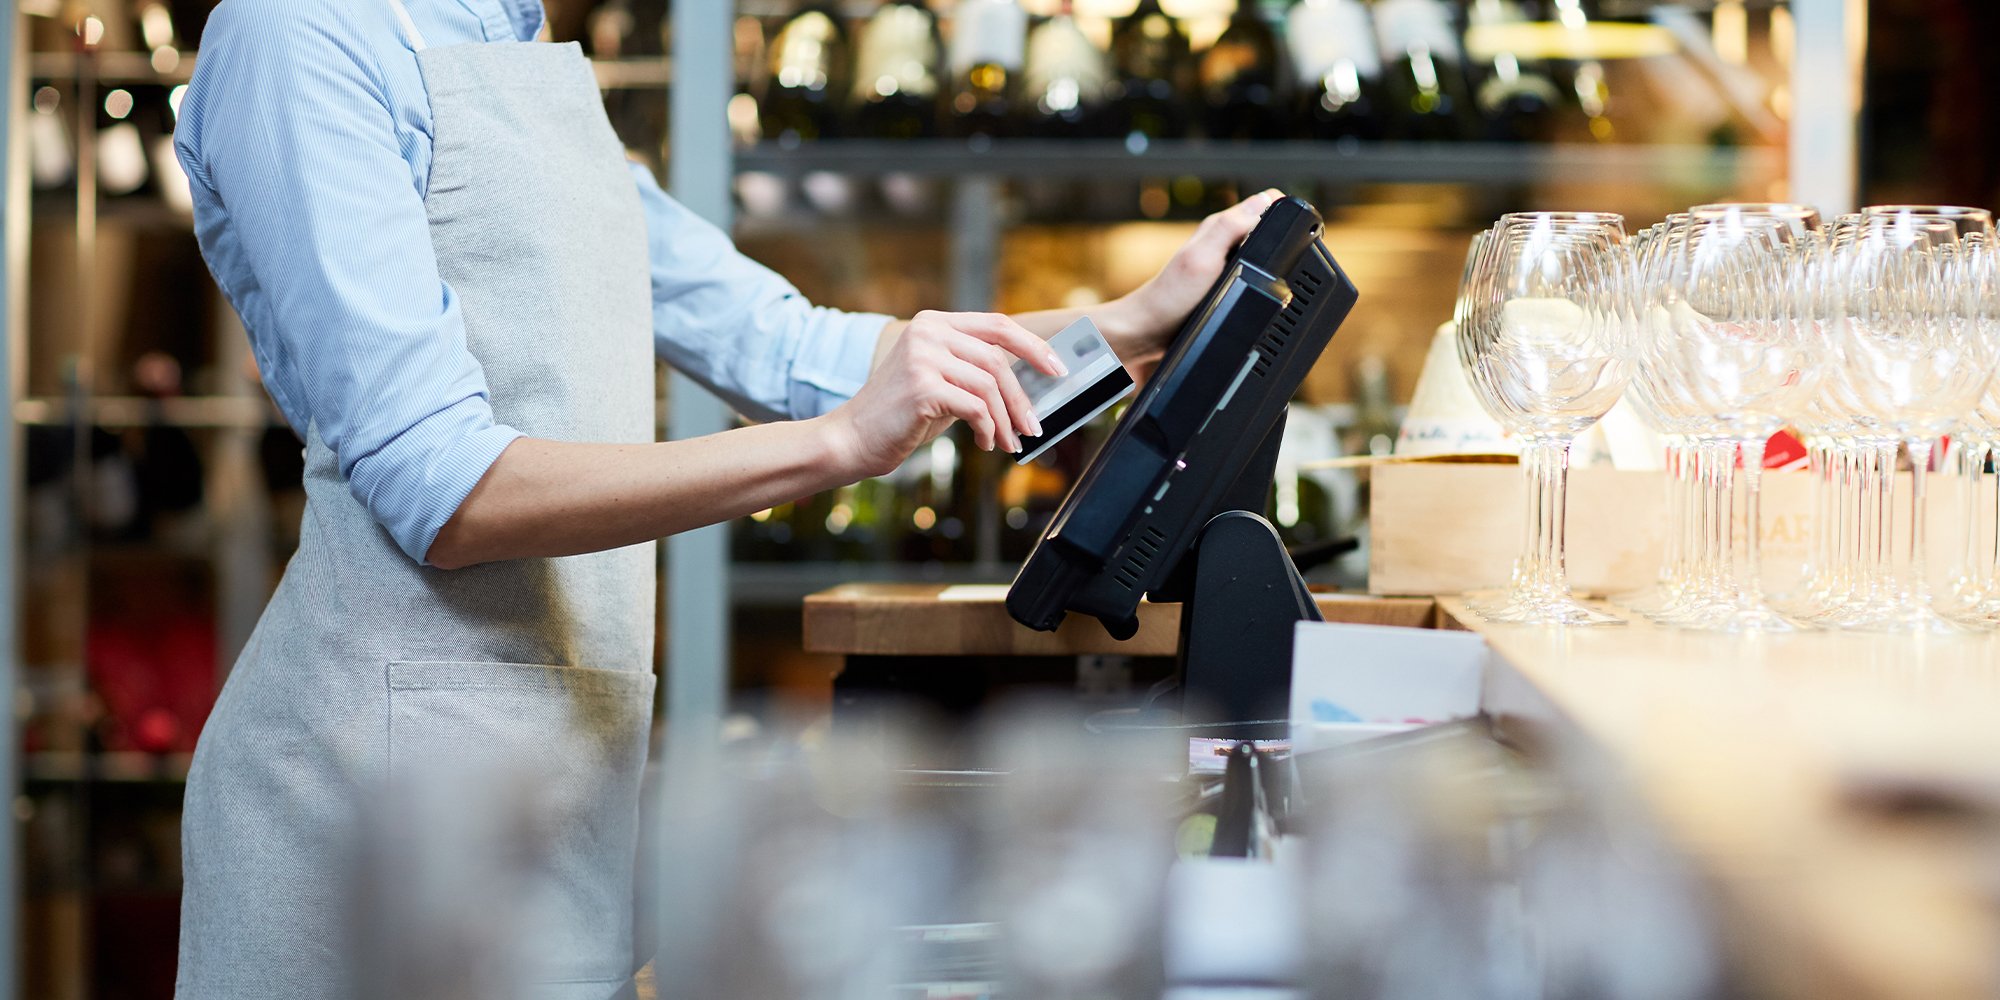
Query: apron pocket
[{"x": 526, "y": 780}]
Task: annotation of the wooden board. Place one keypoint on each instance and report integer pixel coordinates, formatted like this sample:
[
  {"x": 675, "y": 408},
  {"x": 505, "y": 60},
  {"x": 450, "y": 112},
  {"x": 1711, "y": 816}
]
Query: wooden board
[
  {"x": 928, "y": 619},
  {"x": 1770, "y": 758}
]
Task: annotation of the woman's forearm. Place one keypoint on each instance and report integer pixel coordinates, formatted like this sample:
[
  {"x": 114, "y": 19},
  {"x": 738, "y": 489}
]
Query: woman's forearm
[{"x": 554, "y": 498}]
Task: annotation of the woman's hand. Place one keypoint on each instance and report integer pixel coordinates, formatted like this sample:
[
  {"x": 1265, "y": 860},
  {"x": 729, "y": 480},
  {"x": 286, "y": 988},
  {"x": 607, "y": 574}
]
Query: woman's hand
[
  {"x": 1144, "y": 321},
  {"x": 942, "y": 367}
]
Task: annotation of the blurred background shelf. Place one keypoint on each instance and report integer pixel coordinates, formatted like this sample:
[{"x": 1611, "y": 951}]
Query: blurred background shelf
[
  {"x": 761, "y": 584},
  {"x": 111, "y": 767},
  {"x": 1335, "y": 162},
  {"x": 114, "y": 66},
  {"x": 143, "y": 68},
  {"x": 140, "y": 411}
]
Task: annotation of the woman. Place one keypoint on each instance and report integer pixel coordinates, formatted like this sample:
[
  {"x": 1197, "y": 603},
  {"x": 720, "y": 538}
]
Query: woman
[{"x": 455, "y": 286}]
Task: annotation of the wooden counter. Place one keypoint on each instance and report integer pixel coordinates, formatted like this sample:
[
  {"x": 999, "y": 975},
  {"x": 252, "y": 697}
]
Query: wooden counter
[
  {"x": 928, "y": 619},
  {"x": 1842, "y": 790}
]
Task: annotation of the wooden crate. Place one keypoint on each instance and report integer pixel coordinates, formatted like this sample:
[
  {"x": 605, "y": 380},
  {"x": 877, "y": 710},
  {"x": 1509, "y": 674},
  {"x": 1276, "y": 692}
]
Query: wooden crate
[{"x": 1444, "y": 528}]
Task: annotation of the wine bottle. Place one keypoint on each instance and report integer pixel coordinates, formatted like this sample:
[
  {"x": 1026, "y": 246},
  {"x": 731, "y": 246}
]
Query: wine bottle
[
  {"x": 808, "y": 76},
  {"x": 895, "y": 72},
  {"x": 626, "y": 29},
  {"x": 988, "y": 49},
  {"x": 1586, "y": 82},
  {"x": 1424, "y": 71},
  {"x": 1065, "y": 81},
  {"x": 1240, "y": 78},
  {"x": 1150, "y": 56},
  {"x": 1029, "y": 497},
  {"x": 1338, "y": 67},
  {"x": 1516, "y": 99},
  {"x": 121, "y": 148},
  {"x": 928, "y": 493},
  {"x": 156, "y": 31},
  {"x": 51, "y": 153}
]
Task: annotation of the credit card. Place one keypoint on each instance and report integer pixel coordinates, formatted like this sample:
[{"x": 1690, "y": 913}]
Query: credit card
[{"x": 1096, "y": 380}]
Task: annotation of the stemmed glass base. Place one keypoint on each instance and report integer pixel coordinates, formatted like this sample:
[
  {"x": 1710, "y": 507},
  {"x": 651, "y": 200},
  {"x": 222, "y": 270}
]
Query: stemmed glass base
[
  {"x": 1755, "y": 618},
  {"x": 1540, "y": 592},
  {"x": 1724, "y": 611},
  {"x": 1537, "y": 607},
  {"x": 1979, "y": 617},
  {"x": 1904, "y": 615}
]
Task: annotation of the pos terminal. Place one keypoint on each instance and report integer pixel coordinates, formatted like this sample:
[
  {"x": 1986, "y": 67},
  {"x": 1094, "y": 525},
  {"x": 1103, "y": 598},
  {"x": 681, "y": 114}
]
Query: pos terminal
[{"x": 1171, "y": 507}]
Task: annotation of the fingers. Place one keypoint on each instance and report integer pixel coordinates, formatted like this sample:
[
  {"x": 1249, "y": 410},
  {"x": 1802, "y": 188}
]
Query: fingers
[
  {"x": 1002, "y": 331},
  {"x": 1232, "y": 224},
  {"x": 971, "y": 408},
  {"x": 996, "y": 361},
  {"x": 981, "y": 383}
]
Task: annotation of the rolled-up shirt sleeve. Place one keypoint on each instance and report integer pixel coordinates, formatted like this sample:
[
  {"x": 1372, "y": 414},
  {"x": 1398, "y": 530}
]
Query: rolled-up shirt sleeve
[
  {"x": 738, "y": 328},
  {"x": 309, "y": 217}
]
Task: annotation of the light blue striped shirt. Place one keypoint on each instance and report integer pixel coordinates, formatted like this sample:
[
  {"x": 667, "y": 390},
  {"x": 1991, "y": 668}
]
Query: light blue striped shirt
[{"x": 306, "y": 133}]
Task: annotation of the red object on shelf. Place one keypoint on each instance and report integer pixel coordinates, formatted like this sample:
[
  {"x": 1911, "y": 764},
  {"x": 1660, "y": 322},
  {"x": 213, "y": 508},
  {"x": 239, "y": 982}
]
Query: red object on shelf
[
  {"x": 156, "y": 676},
  {"x": 1784, "y": 451}
]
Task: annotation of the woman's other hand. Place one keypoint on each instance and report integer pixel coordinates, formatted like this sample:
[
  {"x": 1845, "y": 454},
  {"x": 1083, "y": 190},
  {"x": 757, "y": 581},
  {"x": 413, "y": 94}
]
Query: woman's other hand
[
  {"x": 941, "y": 367},
  {"x": 1143, "y": 322}
]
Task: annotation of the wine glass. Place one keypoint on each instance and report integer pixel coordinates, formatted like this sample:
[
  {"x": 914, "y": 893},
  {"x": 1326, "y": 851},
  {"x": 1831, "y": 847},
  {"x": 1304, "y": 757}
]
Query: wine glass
[
  {"x": 1544, "y": 343},
  {"x": 1726, "y": 340},
  {"x": 1964, "y": 220},
  {"x": 1908, "y": 369},
  {"x": 1974, "y": 291},
  {"x": 1666, "y": 411}
]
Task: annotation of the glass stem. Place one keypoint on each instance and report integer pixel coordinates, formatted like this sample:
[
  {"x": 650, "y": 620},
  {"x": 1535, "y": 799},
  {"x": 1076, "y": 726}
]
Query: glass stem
[
  {"x": 1993, "y": 564},
  {"x": 1865, "y": 517},
  {"x": 1550, "y": 472},
  {"x": 1920, "y": 461},
  {"x": 1670, "y": 562},
  {"x": 1692, "y": 520},
  {"x": 1971, "y": 456},
  {"x": 1854, "y": 517},
  {"x": 1725, "y": 502},
  {"x": 1721, "y": 459},
  {"x": 1527, "y": 565},
  {"x": 1752, "y": 584},
  {"x": 1817, "y": 557},
  {"x": 1885, "y": 511}
]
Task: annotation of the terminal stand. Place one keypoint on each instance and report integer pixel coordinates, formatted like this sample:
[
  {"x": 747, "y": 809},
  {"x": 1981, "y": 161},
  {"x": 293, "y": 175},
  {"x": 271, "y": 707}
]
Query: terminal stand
[{"x": 1241, "y": 595}]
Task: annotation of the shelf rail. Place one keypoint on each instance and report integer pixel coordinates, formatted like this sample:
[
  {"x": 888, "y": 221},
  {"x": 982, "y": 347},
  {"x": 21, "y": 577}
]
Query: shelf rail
[{"x": 1719, "y": 167}]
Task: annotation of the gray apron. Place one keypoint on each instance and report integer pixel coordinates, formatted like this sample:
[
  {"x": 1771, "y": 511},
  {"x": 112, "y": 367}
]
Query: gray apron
[{"x": 366, "y": 666}]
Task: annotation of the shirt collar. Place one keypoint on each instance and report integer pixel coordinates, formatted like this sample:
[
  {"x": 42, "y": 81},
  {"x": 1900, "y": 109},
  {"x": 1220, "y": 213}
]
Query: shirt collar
[
  {"x": 527, "y": 16},
  {"x": 523, "y": 18}
]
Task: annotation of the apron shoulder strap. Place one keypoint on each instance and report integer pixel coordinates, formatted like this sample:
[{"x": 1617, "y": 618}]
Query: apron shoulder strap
[{"x": 410, "y": 32}]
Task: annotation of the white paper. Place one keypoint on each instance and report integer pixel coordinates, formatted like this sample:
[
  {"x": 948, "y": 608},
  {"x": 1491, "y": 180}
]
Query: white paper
[
  {"x": 1358, "y": 681},
  {"x": 975, "y": 592}
]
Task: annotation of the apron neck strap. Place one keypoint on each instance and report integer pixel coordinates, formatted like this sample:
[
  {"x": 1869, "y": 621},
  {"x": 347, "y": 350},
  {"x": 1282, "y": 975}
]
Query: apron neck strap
[{"x": 410, "y": 32}]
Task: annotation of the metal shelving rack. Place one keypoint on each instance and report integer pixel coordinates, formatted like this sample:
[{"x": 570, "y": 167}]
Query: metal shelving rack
[{"x": 1103, "y": 159}]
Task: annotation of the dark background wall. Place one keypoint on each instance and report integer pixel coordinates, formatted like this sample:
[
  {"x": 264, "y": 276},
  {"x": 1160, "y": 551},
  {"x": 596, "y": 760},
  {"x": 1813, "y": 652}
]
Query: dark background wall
[{"x": 1931, "y": 118}]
